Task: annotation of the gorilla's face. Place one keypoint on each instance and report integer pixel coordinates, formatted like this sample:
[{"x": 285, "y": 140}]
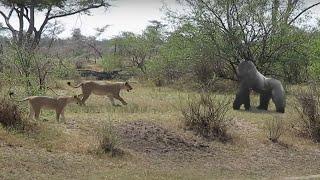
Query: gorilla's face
[{"x": 246, "y": 68}]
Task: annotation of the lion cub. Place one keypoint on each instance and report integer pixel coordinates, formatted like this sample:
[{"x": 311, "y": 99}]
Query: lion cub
[
  {"x": 111, "y": 90},
  {"x": 36, "y": 103}
]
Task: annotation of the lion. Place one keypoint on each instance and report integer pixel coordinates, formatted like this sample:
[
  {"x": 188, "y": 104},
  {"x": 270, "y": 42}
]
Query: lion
[
  {"x": 36, "y": 103},
  {"x": 111, "y": 90}
]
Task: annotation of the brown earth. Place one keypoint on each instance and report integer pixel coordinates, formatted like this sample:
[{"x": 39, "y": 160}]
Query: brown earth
[{"x": 152, "y": 138}]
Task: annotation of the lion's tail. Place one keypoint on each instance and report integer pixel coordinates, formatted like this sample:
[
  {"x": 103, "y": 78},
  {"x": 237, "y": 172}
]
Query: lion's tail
[{"x": 77, "y": 86}]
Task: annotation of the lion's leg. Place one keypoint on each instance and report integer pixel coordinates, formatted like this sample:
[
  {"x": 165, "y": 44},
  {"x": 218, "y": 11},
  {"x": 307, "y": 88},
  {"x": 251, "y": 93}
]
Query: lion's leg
[
  {"x": 121, "y": 100},
  {"x": 112, "y": 100},
  {"x": 31, "y": 112},
  {"x": 37, "y": 113},
  {"x": 84, "y": 98},
  {"x": 62, "y": 115},
  {"x": 58, "y": 113}
]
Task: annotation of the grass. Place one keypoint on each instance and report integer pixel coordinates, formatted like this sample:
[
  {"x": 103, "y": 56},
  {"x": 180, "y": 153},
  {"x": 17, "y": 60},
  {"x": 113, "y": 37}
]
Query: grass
[{"x": 63, "y": 150}]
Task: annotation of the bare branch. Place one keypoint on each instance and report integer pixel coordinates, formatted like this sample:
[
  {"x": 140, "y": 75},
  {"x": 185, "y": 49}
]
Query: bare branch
[
  {"x": 303, "y": 11},
  {"x": 46, "y": 19},
  {"x": 6, "y": 19},
  {"x": 80, "y": 10}
]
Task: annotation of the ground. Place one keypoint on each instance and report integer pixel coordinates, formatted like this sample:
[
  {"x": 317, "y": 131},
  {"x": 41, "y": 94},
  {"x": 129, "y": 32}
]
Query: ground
[{"x": 154, "y": 142}]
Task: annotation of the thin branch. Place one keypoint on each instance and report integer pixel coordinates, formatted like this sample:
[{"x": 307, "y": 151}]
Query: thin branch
[
  {"x": 303, "y": 11},
  {"x": 79, "y": 11},
  {"x": 23, "y": 14},
  {"x": 6, "y": 19},
  {"x": 46, "y": 19}
]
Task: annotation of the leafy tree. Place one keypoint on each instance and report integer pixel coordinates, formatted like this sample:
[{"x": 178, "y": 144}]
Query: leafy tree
[
  {"x": 262, "y": 31},
  {"x": 139, "y": 48},
  {"x": 26, "y": 11}
]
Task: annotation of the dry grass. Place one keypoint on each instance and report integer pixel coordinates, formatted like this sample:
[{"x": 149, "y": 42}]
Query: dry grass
[
  {"x": 275, "y": 128},
  {"x": 63, "y": 150},
  {"x": 207, "y": 116},
  {"x": 10, "y": 115},
  {"x": 108, "y": 140},
  {"x": 309, "y": 111}
]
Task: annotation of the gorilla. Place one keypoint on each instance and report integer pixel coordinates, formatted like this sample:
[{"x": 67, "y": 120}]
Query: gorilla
[{"x": 252, "y": 79}]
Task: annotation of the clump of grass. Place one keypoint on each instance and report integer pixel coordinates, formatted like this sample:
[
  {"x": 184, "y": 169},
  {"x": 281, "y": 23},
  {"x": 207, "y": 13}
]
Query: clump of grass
[
  {"x": 108, "y": 140},
  {"x": 12, "y": 118},
  {"x": 275, "y": 129},
  {"x": 206, "y": 116},
  {"x": 10, "y": 115},
  {"x": 309, "y": 110}
]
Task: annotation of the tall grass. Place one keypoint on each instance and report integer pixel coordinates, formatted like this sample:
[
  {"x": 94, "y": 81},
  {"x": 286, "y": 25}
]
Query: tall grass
[
  {"x": 275, "y": 128},
  {"x": 308, "y": 108},
  {"x": 207, "y": 116},
  {"x": 108, "y": 139}
]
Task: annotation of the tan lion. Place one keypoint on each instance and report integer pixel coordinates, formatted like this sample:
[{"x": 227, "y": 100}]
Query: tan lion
[
  {"x": 111, "y": 90},
  {"x": 36, "y": 103}
]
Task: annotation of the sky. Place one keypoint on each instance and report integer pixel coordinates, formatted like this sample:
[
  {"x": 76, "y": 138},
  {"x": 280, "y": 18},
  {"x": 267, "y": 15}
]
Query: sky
[
  {"x": 123, "y": 15},
  {"x": 129, "y": 15}
]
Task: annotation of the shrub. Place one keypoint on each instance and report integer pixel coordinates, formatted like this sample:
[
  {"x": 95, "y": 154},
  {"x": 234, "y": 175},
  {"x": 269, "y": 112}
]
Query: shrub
[
  {"x": 206, "y": 116},
  {"x": 275, "y": 129},
  {"x": 308, "y": 108},
  {"x": 111, "y": 62},
  {"x": 108, "y": 140},
  {"x": 10, "y": 115},
  {"x": 64, "y": 71}
]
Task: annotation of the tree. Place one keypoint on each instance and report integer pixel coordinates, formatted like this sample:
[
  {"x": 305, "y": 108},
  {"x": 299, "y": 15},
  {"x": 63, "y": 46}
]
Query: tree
[
  {"x": 26, "y": 11},
  {"x": 262, "y": 31},
  {"x": 140, "y": 48}
]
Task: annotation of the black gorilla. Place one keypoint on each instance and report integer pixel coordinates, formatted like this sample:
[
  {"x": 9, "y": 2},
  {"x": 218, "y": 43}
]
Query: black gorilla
[{"x": 252, "y": 79}]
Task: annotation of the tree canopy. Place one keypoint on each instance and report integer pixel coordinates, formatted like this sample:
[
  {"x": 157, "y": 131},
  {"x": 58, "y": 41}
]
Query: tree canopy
[{"x": 26, "y": 11}]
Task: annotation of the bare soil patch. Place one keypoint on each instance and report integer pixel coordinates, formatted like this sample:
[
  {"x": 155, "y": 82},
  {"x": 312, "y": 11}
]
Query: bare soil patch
[{"x": 152, "y": 138}]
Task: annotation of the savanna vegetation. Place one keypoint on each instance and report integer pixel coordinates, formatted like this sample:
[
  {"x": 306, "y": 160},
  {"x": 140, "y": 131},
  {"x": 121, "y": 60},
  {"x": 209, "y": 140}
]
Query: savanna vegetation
[{"x": 179, "y": 122}]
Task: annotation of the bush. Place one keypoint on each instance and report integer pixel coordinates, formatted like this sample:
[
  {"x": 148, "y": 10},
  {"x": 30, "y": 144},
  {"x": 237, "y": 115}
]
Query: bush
[
  {"x": 308, "y": 108},
  {"x": 111, "y": 62},
  {"x": 64, "y": 71},
  {"x": 314, "y": 70},
  {"x": 10, "y": 115},
  {"x": 108, "y": 140},
  {"x": 275, "y": 129},
  {"x": 206, "y": 116}
]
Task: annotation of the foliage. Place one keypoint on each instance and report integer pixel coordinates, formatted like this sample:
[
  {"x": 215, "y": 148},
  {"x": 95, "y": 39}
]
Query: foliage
[
  {"x": 111, "y": 62},
  {"x": 63, "y": 70},
  {"x": 137, "y": 49},
  {"x": 28, "y": 35},
  {"x": 314, "y": 66},
  {"x": 31, "y": 69},
  {"x": 309, "y": 111},
  {"x": 229, "y": 31},
  {"x": 207, "y": 116}
]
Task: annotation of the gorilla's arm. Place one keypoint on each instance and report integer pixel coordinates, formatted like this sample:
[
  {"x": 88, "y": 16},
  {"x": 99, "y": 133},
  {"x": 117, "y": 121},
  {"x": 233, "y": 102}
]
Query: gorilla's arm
[
  {"x": 242, "y": 97},
  {"x": 264, "y": 100},
  {"x": 278, "y": 94}
]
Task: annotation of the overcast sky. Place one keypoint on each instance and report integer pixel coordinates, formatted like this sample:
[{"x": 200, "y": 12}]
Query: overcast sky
[
  {"x": 124, "y": 15},
  {"x": 128, "y": 15}
]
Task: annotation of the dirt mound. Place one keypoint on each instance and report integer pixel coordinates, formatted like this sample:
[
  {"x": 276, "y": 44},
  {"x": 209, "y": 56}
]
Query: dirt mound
[{"x": 152, "y": 138}]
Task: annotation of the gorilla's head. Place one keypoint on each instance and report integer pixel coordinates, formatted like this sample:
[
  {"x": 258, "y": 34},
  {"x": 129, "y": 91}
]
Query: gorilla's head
[{"x": 246, "y": 68}]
